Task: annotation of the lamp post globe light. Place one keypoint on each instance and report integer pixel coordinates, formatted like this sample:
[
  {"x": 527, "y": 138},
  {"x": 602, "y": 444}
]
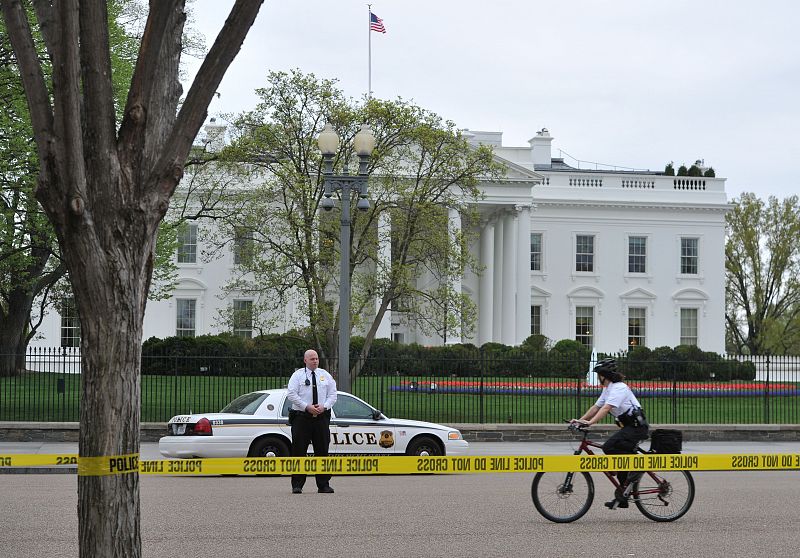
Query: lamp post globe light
[{"x": 364, "y": 143}]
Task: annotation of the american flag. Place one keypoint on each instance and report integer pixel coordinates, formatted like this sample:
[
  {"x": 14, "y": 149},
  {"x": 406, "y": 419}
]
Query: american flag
[{"x": 376, "y": 23}]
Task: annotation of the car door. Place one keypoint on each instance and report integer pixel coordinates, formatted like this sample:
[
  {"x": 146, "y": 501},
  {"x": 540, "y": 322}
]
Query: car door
[{"x": 354, "y": 428}]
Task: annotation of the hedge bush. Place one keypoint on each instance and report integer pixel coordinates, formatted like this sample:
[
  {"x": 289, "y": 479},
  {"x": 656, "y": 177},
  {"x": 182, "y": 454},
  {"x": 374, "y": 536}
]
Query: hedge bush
[{"x": 279, "y": 355}]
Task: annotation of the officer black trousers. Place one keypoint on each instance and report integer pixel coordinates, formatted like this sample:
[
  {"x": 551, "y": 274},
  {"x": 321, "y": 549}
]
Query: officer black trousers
[
  {"x": 317, "y": 431},
  {"x": 624, "y": 441}
]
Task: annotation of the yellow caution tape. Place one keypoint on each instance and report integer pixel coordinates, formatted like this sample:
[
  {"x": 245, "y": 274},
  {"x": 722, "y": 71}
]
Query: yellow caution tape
[
  {"x": 403, "y": 465},
  {"x": 108, "y": 465},
  {"x": 34, "y": 460}
]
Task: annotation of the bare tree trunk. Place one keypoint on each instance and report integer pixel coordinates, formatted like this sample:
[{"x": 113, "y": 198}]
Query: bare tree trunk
[{"x": 108, "y": 506}]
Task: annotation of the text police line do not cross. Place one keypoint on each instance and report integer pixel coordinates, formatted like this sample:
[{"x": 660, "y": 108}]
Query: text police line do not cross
[{"x": 367, "y": 465}]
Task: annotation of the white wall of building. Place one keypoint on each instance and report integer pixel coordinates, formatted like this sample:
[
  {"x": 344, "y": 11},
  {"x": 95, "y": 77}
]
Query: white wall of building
[{"x": 559, "y": 203}]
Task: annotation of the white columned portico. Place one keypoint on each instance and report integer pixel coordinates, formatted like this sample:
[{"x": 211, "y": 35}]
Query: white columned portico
[
  {"x": 454, "y": 230},
  {"x": 497, "y": 298},
  {"x": 509, "y": 291},
  {"x": 486, "y": 286},
  {"x": 523, "y": 273},
  {"x": 384, "y": 264}
]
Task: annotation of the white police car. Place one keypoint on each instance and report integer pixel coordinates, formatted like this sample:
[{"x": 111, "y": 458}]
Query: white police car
[{"x": 256, "y": 425}]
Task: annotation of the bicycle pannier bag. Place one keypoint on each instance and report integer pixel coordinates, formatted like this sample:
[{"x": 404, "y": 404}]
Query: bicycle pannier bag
[{"x": 663, "y": 440}]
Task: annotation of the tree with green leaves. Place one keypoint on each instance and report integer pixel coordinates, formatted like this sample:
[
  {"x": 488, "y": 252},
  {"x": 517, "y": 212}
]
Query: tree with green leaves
[
  {"x": 31, "y": 270},
  {"x": 105, "y": 185},
  {"x": 762, "y": 261},
  {"x": 422, "y": 170}
]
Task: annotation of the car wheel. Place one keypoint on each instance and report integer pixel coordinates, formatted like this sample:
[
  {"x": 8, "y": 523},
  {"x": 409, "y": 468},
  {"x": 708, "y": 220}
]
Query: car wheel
[
  {"x": 424, "y": 445},
  {"x": 269, "y": 447}
]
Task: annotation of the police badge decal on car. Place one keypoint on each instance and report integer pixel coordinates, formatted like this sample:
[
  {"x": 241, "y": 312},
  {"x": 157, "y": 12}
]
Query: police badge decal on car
[{"x": 387, "y": 440}]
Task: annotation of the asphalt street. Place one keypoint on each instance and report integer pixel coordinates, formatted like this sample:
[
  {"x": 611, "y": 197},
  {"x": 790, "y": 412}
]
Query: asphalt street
[{"x": 734, "y": 514}]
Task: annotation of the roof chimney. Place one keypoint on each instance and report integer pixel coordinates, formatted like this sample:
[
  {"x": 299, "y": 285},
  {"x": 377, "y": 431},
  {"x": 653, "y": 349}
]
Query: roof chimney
[{"x": 540, "y": 148}]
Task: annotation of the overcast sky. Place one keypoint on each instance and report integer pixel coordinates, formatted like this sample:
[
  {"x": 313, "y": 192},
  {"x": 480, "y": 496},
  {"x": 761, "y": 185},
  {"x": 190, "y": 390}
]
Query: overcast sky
[{"x": 635, "y": 83}]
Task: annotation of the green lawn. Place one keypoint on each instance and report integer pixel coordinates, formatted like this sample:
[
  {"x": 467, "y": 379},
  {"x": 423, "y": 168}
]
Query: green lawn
[{"x": 54, "y": 397}]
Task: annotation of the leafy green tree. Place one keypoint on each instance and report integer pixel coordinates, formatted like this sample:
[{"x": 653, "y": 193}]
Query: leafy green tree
[
  {"x": 421, "y": 168},
  {"x": 32, "y": 275},
  {"x": 26, "y": 240},
  {"x": 105, "y": 185},
  {"x": 30, "y": 264},
  {"x": 762, "y": 261}
]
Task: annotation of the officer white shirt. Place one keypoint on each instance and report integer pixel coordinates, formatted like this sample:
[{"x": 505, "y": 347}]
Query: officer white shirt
[
  {"x": 301, "y": 395},
  {"x": 619, "y": 396}
]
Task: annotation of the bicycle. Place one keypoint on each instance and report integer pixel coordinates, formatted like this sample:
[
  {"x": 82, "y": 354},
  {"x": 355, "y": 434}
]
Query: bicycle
[{"x": 565, "y": 497}]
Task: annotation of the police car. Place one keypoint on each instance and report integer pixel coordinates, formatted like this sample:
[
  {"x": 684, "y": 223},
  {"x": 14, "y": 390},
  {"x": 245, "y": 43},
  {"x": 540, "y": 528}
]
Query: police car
[{"x": 256, "y": 425}]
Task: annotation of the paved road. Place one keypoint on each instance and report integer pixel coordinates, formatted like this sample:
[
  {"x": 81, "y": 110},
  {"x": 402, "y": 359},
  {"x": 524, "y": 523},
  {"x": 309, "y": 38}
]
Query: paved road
[{"x": 735, "y": 514}]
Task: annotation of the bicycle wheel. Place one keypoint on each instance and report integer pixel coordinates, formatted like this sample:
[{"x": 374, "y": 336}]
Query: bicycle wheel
[
  {"x": 664, "y": 495},
  {"x": 562, "y": 497}
]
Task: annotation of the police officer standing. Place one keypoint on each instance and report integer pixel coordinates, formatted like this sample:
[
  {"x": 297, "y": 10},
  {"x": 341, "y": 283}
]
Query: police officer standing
[{"x": 312, "y": 392}]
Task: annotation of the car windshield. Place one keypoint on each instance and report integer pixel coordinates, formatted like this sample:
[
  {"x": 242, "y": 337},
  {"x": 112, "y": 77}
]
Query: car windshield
[
  {"x": 350, "y": 407},
  {"x": 245, "y": 404}
]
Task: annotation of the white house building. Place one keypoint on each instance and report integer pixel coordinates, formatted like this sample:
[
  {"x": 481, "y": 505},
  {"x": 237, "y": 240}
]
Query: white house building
[{"x": 611, "y": 258}]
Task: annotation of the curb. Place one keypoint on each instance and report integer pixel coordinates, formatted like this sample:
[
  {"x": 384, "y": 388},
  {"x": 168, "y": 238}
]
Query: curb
[{"x": 472, "y": 432}]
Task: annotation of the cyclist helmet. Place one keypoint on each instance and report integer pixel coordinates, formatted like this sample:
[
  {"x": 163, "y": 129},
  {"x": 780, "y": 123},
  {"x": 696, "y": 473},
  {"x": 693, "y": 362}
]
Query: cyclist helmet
[{"x": 607, "y": 368}]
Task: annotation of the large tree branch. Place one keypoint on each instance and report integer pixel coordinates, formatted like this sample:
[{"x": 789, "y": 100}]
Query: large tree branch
[
  {"x": 145, "y": 74},
  {"x": 67, "y": 112},
  {"x": 98, "y": 91},
  {"x": 45, "y": 13},
  {"x": 193, "y": 112}
]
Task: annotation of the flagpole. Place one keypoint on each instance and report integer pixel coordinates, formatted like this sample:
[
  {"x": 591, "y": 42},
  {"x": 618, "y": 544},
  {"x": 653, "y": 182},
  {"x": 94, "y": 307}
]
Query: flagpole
[{"x": 369, "y": 49}]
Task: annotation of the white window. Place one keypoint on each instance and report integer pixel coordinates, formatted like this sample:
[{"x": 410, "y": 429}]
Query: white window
[
  {"x": 398, "y": 337},
  {"x": 243, "y": 318},
  {"x": 584, "y": 325},
  {"x": 536, "y": 251},
  {"x": 584, "y": 253},
  {"x": 637, "y": 254},
  {"x": 689, "y": 256},
  {"x": 187, "y": 243},
  {"x": 70, "y": 323},
  {"x": 243, "y": 246},
  {"x": 637, "y": 327},
  {"x": 536, "y": 320},
  {"x": 688, "y": 326},
  {"x": 186, "y": 317}
]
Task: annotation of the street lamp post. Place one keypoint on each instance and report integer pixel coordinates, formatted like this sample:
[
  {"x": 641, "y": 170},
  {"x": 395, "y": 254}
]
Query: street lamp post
[{"x": 364, "y": 143}]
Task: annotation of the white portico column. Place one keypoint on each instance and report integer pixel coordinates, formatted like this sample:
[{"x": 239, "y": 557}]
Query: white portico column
[
  {"x": 486, "y": 286},
  {"x": 523, "y": 273},
  {"x": 509, "y": 294},
  {"x": 384, "y": 263},
  {"x": 497, "y": 296},
  {"x": 454, "y": 229}
]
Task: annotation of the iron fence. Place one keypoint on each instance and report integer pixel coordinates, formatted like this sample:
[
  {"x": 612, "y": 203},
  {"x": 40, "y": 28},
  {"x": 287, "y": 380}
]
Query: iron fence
[{"x": 481, "y": 388}]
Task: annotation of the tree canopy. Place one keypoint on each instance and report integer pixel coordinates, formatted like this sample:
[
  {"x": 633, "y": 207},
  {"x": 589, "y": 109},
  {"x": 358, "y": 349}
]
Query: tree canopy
[
  {"x": 422, "y": 170},
  {"x": 762, "y": 260}
]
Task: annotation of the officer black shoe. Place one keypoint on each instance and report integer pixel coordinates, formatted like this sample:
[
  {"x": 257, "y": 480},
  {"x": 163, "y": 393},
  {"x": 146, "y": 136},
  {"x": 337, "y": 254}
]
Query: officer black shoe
[
  {"x": 326, "y": 490},
  {"x": 297, "y": 490},
  {"x": 614, "y": 504}
]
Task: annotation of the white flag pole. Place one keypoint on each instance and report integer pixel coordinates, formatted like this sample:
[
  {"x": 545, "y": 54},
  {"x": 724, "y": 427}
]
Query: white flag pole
[{"x": 369, "y": 49}]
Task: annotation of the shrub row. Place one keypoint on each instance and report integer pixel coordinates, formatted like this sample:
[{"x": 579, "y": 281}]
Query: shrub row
[{"x": 278, "y": 355}]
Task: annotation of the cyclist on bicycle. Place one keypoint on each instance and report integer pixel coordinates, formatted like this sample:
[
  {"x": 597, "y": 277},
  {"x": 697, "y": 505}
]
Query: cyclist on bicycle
[{"x": 617, "y": 399}]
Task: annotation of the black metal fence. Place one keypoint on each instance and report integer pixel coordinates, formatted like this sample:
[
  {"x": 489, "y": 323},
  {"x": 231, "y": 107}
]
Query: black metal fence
[{"x": 483, "y": 388}]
